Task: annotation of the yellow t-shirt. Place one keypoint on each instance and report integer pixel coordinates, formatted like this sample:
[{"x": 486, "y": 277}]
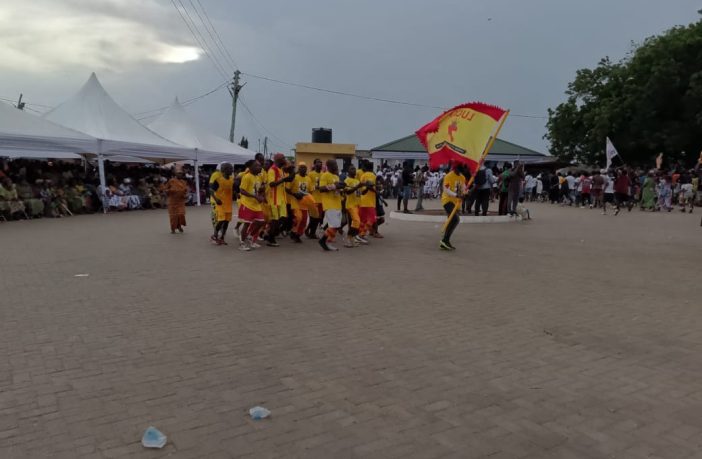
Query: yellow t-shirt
[
  {"x": 368, "y": 199},
  {"x": 252, "y": 185},
  {"x": 454, "y": 182},
  {"x": 299, "y": 185},
  {"x": 352, "y": 199},
  {"x": 315, "y": 176},
  {"x": 214, "y": 177},
  {"x": 275, "y": 195},
  {"x": 225, "y": 191},
  {"x": 331, "y": 200}
]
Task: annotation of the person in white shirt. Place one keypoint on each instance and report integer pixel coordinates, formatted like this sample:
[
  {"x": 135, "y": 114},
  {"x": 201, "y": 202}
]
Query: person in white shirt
[
  {"x": 608, "y": 191},
  {"x": 529, "y": 185},
  {"x": 571, "y": 188}
]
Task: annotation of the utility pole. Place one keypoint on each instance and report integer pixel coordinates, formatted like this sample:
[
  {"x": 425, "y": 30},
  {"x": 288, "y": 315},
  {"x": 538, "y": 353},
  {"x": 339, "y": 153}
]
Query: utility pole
[
  {"x": 20, "y": 104},
  {"x": 265, "y": 147},
  {"x": 234, "y": 91}
]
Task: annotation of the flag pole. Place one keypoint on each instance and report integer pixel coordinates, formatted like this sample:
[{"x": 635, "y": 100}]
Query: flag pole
[{"x": 489, "y": 145}]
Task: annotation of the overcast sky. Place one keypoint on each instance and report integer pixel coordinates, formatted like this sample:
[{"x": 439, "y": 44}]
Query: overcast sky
[{"x": 518, "y": 54}]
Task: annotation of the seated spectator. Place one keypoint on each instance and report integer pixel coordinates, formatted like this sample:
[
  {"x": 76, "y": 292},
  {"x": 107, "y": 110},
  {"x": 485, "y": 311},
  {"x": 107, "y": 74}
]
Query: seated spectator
[
  {"x": 10, "y": 203},
  {"x": 60, "y": 200},
  {"x": 144, "y": 193},
  {"x": 76, "y": 204},
  {"x": 30, "y": 197},
  {"x": 133, "y": 201},
  {"x": 114, "y": 196}
]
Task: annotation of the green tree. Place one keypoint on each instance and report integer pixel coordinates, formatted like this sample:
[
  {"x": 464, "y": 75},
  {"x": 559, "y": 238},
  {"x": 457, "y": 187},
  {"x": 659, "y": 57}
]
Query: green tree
[{"x": 649, "y": 102}]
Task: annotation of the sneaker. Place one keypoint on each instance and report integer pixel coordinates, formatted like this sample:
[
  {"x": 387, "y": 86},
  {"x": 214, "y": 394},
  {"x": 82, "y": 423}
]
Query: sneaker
[
  {"x": 349, "y": 244},
  {"x": 214, "y": 239},
  {"x": 244, "y": 247},
  {"x": 222, "y": 242},
  {"x": 295, "y": 238},
  {"x": 272, "y": 243},
  {"x": 450, "y": 245},
  {"x": 616, "y": 212},
  {"x": 360, "y": 240},
  {"x": 332, "y": 248},
  {"x": 254, "y": 245},
  {"x": 444, "y": 246},
  {"x": 323, "y": 245},
  {"x": 378, "y": 236},
  {"x": 406, "y": 211}
]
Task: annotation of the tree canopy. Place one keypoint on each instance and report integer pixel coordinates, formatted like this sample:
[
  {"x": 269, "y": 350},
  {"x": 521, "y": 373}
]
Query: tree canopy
[{"x": 648, "y": 103}]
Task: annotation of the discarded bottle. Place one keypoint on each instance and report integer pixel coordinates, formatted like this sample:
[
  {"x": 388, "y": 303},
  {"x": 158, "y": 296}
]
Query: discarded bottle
[
  {"x": 153, "y": 438},
  {"x": 259, "y": 412}
]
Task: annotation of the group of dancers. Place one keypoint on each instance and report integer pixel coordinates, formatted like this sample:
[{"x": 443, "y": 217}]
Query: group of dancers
[{"x": 276, "y": 198}]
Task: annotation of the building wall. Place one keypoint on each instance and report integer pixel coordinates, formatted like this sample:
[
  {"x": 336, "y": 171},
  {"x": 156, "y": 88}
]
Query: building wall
[{"x": 308, "y": 152}]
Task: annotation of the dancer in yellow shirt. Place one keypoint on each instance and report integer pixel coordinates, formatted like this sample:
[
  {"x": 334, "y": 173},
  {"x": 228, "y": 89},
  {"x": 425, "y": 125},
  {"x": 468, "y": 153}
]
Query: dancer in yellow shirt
[
  {"x": 301, "y": 201},
  {"x": 330, "y": 186},
  {"x": 353, "y": 200},
  {"x": 451, "y": 196},
  {"x": 315, "y": 175},
  {"x": 222, "y": 192},
  {"x": 251, "y": 207}
]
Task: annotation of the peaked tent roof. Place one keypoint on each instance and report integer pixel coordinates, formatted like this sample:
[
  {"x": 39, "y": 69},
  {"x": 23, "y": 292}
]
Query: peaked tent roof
[
  {"x": 176, "y": 125},
  {"x": 409, "y": 147},
  {"x": 23, "y": 135},
  {"x": 93, "y": 112}
]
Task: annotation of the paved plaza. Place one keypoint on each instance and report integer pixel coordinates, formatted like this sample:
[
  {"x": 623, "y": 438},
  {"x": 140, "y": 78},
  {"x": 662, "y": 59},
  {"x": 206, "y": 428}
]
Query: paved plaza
[{"x": 575, "y": 335}]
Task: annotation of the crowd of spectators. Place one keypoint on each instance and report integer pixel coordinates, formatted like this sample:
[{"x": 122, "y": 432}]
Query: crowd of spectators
[{"x": 53, "y": 189}]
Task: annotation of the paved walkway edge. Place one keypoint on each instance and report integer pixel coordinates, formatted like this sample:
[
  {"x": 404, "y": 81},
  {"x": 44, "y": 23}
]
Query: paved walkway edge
[{"x": 442, "y": 218}]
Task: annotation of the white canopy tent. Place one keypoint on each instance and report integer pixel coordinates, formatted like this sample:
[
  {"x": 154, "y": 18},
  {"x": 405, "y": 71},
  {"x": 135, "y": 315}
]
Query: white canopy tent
[
  {"x": 176, "y": 125},
  {"x": 92, "y": 111},
  {"x": 23, "y": 135}
]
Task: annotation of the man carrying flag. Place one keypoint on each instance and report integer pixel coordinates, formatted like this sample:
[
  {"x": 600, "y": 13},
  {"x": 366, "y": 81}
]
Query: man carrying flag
[
  {"x": 462, "y": 136},
  {"x": 611, "y": 152},
  {"x": 451, "y": 196}
]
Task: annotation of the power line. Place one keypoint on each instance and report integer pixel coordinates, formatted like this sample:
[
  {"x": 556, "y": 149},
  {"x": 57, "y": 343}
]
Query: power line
[
  {"x": 26, "y": 103},
  {"x": 203, "y": 46},
  {"x": 217, "y": 41},
  {"x": 185, "y": 102},
  {"x": 206, "y": 47},
  {"x": 286, "y": 144},
  {"x": 361, "y": 96},
  {"x": 341, "y": 93}
]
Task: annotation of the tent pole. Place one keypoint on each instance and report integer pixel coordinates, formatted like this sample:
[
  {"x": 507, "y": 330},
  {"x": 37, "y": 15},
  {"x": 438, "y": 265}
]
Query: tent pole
[
  {"x": 101, "y": 171},
  {"x": 197, "y": 179}
]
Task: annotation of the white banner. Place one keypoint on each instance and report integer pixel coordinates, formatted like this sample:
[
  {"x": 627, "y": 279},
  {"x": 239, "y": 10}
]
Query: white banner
[{"x": 611, "y": 152}]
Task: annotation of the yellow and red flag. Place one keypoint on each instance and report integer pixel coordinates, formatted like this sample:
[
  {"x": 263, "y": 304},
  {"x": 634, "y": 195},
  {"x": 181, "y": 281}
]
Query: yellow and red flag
[{"x": 460, "y": 135}]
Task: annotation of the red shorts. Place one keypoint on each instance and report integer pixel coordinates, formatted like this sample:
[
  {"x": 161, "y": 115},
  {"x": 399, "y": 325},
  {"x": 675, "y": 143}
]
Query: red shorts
[
  {"x": 367, "y": 215},
  {"x": 247, "y": 215}
]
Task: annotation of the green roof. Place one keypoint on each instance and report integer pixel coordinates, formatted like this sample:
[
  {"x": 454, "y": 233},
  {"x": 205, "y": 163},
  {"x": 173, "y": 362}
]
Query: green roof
[{"x": 411, "y": 144}]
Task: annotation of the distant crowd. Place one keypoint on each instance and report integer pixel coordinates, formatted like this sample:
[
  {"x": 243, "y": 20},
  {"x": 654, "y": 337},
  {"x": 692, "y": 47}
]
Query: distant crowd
[
  {"x": 651, "y": 190},
  {"x": 39, "y": 189},
  {"x": 509, "y": 184},
  {"x": 32, "y": 189}
]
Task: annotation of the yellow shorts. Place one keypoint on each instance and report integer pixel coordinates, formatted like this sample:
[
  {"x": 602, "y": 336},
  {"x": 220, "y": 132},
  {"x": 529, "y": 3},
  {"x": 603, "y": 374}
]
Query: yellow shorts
[
  {"x": 266, "y": 211},
  {"x": 354, "y": 216},
  {"x": 309, "y": 203},
  {"x": 223, "y": 214},
  {"x": 278, "y": 212}
]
